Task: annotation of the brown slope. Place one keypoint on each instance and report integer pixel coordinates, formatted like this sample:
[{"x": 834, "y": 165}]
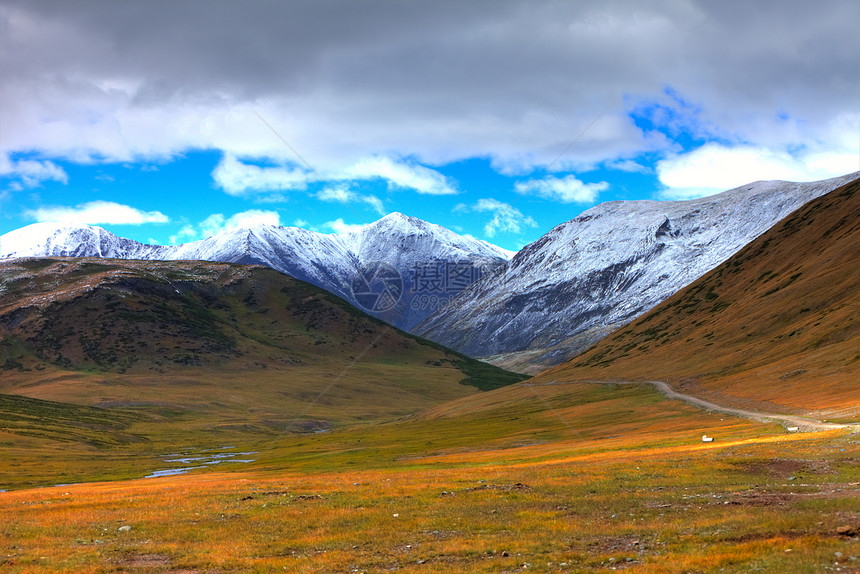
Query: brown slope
[
  {"x": 214, "y": 346},
  {"x": 775, "y": 328}
]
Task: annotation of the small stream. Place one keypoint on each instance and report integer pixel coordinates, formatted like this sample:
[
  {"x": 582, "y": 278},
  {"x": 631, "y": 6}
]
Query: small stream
[{"x": 201, "y": 459}]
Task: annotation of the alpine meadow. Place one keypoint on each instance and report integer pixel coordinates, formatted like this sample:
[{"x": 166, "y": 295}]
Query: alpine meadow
[{"x": 491, "y": 287}]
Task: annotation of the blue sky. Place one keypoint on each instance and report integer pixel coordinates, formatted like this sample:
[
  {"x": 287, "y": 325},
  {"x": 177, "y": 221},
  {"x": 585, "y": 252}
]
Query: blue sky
[
  {"x": 169, "y": 122},
  {"x": 179, "y": 199}
]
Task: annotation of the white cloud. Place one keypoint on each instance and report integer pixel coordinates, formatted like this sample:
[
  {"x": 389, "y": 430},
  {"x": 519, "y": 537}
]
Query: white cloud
[
  {"x": 628, "y": 165},
  {"x": 301, "y": 223},
  {"x": 338, "y": 226},
  {"x": 32, "y": 173},
  {"x": 239, "y": 179},
  {"x": 244, "y": 179},
  {"x": 506, "y": 218},
  {"x": 339, "y": 194},
  {"x": 410, "y": 176},
  {"x": 514, "y": 81},
  {"x": 347, "y": 196},
  {"x": 217, "y": 223},
  {"x": 713, "y": 168},
  {"x": 186, "y": 233},
  {"x": 374, "y": 202},
  {"x": 567, "y": 189},
  {"x": 98, "y": 213}
]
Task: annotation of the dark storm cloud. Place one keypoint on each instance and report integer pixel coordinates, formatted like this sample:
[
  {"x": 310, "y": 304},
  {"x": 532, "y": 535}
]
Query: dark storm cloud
[{"x": 436, "y": 80}]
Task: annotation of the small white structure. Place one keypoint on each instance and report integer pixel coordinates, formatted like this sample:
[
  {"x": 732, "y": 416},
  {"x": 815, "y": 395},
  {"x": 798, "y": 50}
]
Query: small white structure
[
  {"x": 792, "y": 429},
  {"x": 706, "y": 438}
]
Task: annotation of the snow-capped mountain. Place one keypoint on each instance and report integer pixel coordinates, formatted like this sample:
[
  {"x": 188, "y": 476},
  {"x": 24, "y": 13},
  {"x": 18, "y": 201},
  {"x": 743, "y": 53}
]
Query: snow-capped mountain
[
  {"x": 399, "y": 268},
  {"x": 433, "y": 262},
  {"x": 599, "y": 271},
  {"x": 62, "y": 240}
]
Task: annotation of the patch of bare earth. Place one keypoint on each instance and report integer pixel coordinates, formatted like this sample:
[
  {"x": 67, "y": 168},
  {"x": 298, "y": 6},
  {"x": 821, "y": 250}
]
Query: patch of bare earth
[
  {"x": 155, "y": 563},
  {"x": 784, "y": 466}
]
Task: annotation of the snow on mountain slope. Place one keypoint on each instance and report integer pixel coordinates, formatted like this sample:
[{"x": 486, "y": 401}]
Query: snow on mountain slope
[
  {"x": 599, "y": 271},
  {"x": 314, "y": 257},
  {"x": 435, "y": 262},
  {"x": 417, "y": 256},
  {"x": 60, "y": 240}
]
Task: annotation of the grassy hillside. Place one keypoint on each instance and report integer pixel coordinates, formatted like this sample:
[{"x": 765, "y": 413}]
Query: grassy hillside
[
  {"x": 199, "y": 355},
  {"x": 777, "y": 327}
]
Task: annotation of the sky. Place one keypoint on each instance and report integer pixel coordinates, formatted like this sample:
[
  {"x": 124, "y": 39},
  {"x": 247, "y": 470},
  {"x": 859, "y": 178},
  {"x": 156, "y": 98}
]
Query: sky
[{"x": 169, "y": 121}]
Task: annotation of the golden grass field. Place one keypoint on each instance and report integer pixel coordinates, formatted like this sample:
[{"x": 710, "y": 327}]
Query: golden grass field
[{"x": 561, "y": 478}]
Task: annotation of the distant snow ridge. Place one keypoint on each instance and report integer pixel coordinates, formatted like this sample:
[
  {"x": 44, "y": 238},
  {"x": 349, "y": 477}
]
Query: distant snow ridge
[
  {"x": 614, "y": 262},
  {"x": 59, "y": 240},
  {"x": 435, "y": 263},
  {"x": 553, "y": 299}
]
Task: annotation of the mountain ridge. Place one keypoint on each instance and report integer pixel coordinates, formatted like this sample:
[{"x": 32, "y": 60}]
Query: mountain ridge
[
  {"x": 331, "y": 261},
  {"x": 773, "y": 328},
  {"x": 612, "y": 263},
  {"x": 524, "y": 311}
]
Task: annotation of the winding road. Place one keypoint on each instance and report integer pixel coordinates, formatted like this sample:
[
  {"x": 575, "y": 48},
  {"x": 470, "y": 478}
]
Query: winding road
[{"x": 793, "y": 420}]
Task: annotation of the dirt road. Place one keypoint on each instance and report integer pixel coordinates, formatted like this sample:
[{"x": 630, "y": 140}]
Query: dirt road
[{"x": 802, "y": 423}]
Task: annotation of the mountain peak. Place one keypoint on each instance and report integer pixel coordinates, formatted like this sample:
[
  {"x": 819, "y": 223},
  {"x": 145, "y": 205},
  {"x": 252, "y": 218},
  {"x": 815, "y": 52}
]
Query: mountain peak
[
  {"x": 398, "y": 216},
  {"x": 757, "y": 317},
  {"x": 48, "y": 228},
  {"x": 52, "y": 238},
  {"x": 330, "y": 261},
  {"x": 396, "y": 219},
  {"x": 606, "y": 267}
]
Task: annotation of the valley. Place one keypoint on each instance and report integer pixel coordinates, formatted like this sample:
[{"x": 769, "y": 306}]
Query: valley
[
  {"x": 363, "y": 287},
  {"x": 155, "y": 356},
  {"x": 558, "y": 478},
  {"x": 194, "y": 416}
]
